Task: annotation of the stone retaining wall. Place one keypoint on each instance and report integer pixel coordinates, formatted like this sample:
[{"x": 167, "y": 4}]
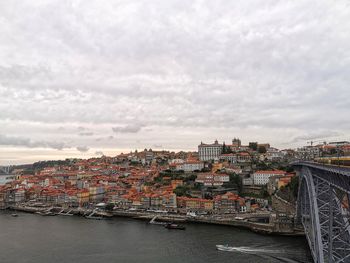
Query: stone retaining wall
[{"x": 282, "y": 206}]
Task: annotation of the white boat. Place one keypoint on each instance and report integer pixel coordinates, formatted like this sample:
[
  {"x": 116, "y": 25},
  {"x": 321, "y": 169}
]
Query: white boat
[
  {"x": 92, "y": 216},
  {"x": 62, "y": 213},
  {"x": 154, "y": 222}
]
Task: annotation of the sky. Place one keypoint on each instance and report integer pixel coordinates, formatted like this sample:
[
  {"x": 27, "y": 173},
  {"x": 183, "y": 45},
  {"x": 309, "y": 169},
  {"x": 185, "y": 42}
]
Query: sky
[{"x": 86, "y": 78}]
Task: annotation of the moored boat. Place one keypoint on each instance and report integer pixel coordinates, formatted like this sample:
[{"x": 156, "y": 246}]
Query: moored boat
[
  {"x": 174, "y": 226},
  {"x": 45, "y": 213},
  {"x": 95, "y": 217}
]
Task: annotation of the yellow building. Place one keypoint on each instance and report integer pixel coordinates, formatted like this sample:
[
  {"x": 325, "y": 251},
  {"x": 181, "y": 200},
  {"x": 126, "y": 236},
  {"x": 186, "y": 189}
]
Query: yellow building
[
  {"x": 216, "y": 167},
  {"x": 208, "y": 205},
  {"x": 83, "y": 197}
]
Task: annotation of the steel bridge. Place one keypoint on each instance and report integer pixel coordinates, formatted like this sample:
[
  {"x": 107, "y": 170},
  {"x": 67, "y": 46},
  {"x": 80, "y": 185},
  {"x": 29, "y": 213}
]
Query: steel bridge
[
  {"x": 5, "y": 169},
  {"x": 323, "y": 210}
]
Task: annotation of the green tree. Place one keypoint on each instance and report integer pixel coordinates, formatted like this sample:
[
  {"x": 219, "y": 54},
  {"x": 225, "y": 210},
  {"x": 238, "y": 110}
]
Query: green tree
[
  {"x": 253, "y": 146},
  {"x": 263, "y": 191},
  {"x": 263, "y": 166},
  {"x": 226, "y": 149},
  {"x": 109, "y": 207},
  {"x": 294, "y": 186},
  {"x": 261, "y": 149},
  {"x": 190, "y": 178},
  {"x": 333, "y": 151},
  {"x": 181, "y": 190},
  {"x": 235, "y": 182}
]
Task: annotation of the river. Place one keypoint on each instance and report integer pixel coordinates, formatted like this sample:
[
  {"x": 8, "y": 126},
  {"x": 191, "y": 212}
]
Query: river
[{"x": 31, "y": 238}]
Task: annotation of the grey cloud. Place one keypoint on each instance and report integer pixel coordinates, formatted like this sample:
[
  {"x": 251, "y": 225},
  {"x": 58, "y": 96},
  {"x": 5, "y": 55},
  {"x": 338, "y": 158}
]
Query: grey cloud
[
  {"x": 157, "y": 146},
  {"x": 83, "y": 148},
  {"x": 318, "y": 136},
  {"x": 173, "y": 67},
  {"x": 131, "y": 128},
  {"x": 86, "y": 133},
  {"x": 108, "y": 138},
  {"x": 26, "y": 142}
]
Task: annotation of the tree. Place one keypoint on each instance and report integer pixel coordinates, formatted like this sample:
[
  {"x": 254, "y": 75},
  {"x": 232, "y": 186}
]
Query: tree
[
  {"x": 237, "y": 181},
  {"x": 181, "y": 190},
  {"x": 226, "y": 149},
  {"x": 263, "y": 191},
  {"x": 333, "y": 151},
  {"x": 109, "y": 207},
  {"x": 190, "y": 178},
  {"x": 253, "y": 146},
  {"x": 294, "y": 186},
  {"x": 205, "y": 170},
  {"x": 261, "y": 149},
  {"x": 262, "y": 166},
  {"x": 289, "y": 169}
]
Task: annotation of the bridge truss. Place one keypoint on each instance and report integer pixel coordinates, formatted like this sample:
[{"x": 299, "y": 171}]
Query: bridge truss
[{"x": 323, "y": 210}]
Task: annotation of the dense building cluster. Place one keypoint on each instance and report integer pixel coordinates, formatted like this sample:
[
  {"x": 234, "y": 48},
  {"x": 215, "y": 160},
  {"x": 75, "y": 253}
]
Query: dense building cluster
[{"x": 219, "y": 178}]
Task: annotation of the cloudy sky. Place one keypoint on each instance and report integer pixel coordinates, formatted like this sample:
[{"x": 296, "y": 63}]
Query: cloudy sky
[{"x": 82, "y": 78}]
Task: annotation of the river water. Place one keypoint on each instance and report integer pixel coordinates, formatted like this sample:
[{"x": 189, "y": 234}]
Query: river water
[{"x": 33, "y": 238}]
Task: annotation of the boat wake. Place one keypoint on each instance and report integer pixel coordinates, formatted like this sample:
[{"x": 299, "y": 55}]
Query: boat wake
[
  {"x": 250, "y": 250},
  {"x": 256, "y": 250},
  {"x": 265, "y": 252}
]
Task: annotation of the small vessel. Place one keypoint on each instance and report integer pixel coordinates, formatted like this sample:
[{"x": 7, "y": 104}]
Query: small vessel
[
  {"x": 62, "y": 213},
  {"x": 174, "y": 226},
  {"x": 154, "y": 222},
  {"x": 14, "y": 215},
  {"x": 45, "y": 213},
  {"x": 67, "y": 214},
  {"x": 95, "y": 217}
]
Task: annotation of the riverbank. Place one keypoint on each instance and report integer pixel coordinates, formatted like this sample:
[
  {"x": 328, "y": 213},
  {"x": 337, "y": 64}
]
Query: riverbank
[{"x": 261, "y": 228}]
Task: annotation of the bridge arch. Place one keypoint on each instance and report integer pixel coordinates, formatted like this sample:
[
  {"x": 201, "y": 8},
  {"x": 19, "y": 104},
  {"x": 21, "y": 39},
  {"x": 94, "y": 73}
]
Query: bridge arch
[
  {"x": 323, "y": 210},
  {"x": 307, "y": 214}
]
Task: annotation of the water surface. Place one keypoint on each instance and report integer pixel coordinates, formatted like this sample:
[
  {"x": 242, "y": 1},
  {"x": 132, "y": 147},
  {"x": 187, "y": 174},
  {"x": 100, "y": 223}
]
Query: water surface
[{"x": 33, "y": 238}]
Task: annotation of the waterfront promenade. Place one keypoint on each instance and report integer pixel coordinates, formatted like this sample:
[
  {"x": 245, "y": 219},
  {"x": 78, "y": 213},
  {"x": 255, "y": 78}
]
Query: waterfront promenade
[{"x": 248, "y": 221}]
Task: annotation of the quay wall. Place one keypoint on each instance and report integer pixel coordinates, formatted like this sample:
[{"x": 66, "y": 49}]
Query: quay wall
[{"x": 262, "y": 228}]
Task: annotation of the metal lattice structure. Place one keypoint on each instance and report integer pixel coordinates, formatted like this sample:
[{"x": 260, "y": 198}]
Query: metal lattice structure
[
  {"x": 323, "y": 210},
  {"x": 4, "y": 169}
]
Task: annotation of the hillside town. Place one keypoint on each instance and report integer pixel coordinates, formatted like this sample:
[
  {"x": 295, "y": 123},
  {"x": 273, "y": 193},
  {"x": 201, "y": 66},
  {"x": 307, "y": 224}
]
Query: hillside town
[{"x": 218, "y": 181}]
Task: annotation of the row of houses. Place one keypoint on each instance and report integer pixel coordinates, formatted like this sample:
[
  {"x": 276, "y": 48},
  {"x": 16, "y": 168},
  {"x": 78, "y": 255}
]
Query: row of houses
[
  {"x": 168, "y": 201},
  {"x": 212, "y": 179}
]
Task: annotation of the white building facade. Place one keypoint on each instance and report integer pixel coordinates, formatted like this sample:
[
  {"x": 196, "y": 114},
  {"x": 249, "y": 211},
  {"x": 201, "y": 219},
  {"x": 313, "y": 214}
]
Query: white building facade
[
  {"x": 208, "y": 152},
  {"x": 262, "y": 177},
  {"x": 209, "y": 179},
  {"x": 190, "y": 166}
]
